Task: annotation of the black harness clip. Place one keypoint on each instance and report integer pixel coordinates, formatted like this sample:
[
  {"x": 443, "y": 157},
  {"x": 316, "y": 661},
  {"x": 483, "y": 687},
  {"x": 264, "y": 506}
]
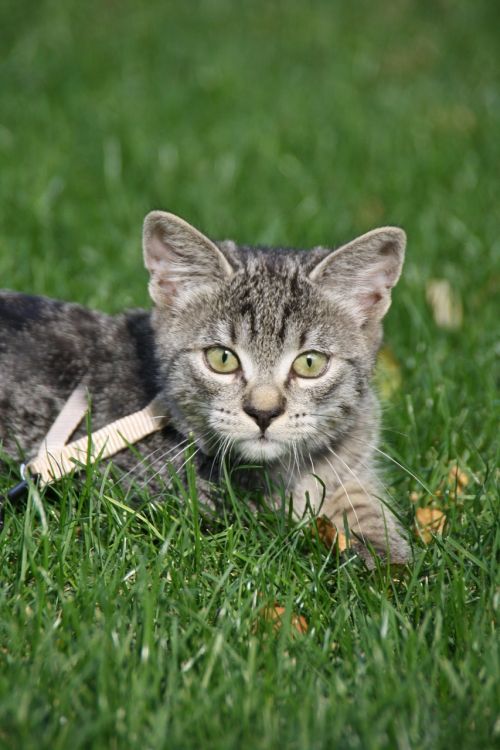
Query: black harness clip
[{"x": 14, "y": 495}]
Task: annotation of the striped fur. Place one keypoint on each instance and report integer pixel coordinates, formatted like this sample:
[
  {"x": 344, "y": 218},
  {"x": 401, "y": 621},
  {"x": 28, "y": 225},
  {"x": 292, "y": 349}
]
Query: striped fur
[{"x": 315, "y": 437}]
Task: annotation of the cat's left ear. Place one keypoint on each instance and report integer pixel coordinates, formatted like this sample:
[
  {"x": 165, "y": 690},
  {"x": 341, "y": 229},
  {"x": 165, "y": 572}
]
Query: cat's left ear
[
  {"x": 179, "y": 258},
  {"x": 361, "y": 274}
]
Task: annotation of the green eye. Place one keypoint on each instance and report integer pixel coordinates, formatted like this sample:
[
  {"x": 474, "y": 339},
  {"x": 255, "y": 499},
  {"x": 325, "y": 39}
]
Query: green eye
[
  {"x": 222, "y": 360},
  {"x": 310, "y": 364}
]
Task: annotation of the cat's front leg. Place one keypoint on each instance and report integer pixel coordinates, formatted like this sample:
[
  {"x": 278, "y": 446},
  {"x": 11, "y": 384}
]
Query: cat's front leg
[
  {"x": 359, "y": 505},
  {"x": 371, "y": 524}
]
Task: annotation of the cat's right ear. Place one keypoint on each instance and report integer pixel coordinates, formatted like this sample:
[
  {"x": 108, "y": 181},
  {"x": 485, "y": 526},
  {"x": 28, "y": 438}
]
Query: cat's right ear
[{"x": 179, "y": 258}]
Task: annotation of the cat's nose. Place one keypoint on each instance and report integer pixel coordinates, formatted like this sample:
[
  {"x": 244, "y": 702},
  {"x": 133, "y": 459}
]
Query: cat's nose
[
  {"x": 263, "y": 418},
  {"x": 264, "y": 403}
]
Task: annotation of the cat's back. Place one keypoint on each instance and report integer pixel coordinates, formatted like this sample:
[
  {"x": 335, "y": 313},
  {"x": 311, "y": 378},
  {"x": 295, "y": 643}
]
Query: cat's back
[
  {"x": 45, "y": 340},
  {"x": 47, "y": 347}
]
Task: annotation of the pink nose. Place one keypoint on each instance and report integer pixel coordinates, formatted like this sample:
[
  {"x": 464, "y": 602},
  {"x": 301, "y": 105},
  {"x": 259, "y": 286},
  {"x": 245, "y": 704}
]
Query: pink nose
[{"x": 264, "y": 403}]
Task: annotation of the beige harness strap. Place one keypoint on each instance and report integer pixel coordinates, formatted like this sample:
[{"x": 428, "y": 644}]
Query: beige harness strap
[
  {"x": 67, "y": 421},
  {"x": 54, "y": 459}
]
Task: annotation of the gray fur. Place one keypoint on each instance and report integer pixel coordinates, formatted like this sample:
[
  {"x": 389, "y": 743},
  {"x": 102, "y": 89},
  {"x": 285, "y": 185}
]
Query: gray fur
[{"x": 267, "y": 306}]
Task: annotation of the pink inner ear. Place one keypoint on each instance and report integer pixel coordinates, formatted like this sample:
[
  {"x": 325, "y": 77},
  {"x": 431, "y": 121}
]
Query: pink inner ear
[
  {"x": 167, "y": 285},
  {"x": 162, "y": 290},
  {"x": 157, "y": 250},
  {"x": 367, "y": 300}
]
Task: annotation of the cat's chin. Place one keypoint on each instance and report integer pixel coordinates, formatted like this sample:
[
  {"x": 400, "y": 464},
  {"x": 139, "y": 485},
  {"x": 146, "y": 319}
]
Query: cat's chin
[{"x": 259, "y": 449}]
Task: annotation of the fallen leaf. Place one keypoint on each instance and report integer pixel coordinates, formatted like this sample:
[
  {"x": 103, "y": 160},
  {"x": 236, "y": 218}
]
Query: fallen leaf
[
  {"x": 326, "y": 531},
  {"x": 276, "y": 613},
  {"x": 445, "y": 304},
  {"x": 429, "y": 521},
  {"x": 330, "y": 535},
  {"x": 458, "y": 480}
]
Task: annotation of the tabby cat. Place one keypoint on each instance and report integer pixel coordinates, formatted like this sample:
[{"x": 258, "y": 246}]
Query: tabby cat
[{"x": 263, "y": 355}]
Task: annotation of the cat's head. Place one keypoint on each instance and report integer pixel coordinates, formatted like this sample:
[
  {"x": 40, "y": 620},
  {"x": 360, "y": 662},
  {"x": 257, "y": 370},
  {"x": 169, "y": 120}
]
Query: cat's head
[{"x": 268, "y": 351}]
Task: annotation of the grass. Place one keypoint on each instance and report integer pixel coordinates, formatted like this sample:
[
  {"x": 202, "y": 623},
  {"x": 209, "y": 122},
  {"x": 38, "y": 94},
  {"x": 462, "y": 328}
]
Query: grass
[{"x": 273, "y": 122}]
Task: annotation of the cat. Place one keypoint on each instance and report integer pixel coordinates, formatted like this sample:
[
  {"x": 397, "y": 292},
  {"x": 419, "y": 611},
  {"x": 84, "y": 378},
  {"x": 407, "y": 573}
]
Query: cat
[{"x": 263, "y": 355}]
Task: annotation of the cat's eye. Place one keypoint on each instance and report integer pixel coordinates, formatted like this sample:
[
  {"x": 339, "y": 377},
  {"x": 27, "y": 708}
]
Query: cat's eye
[
  {"x": 222, "y": 360},
  {"x": 310, "y": 364}
]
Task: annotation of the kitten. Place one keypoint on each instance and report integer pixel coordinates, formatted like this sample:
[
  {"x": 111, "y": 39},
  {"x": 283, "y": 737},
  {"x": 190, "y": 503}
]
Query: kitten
[{"x": 263, "y": 355}]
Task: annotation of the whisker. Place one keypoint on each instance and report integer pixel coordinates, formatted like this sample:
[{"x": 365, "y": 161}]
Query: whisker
[
  {"x": 177, "y": 470},
  {"x": 182, "y": 443},
  {"x": 289, "y": 465},
  {"x": 295, "y": 456},
  {"x": 396, "y": 432},
  {"x": 343, "y": 486},
  {"x": 216, "y": 460},
  {"x": 349, "y": 469},
  {"x": 401, "y": 466},
  {"x": 353, "y": 474},
  {"x": 171, "y": 460},
  {"x": 189, "y": 458},
  {"x": 371, "y": 446},
  {"x": 365, "y": 466},
  {"x": 316, "y": 475},
  {"x": 385, "y": 429},
  {"x": 348, "y": 498},
  {"x": 227, "y": 447},
  {"x": 146, "y": 458}
]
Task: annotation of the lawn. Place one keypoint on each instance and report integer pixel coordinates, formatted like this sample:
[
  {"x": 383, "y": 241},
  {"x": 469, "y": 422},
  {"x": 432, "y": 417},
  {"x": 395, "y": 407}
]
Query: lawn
[{"x": 287, "y": 123}]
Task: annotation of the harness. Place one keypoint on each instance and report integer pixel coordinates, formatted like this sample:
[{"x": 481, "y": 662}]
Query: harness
[{"x": 57, "y": 458}]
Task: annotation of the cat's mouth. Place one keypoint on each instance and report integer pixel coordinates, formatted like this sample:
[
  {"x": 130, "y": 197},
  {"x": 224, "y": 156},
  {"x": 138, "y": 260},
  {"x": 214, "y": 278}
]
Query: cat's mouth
[{"x": 262, "y": 448}]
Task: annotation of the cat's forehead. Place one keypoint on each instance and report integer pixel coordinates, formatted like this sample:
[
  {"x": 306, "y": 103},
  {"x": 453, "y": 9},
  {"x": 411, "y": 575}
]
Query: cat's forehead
[{"x": 270, "y": 305}]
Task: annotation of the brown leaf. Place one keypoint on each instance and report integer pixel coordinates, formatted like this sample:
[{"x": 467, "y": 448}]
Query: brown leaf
[
  {"x": 330, "y": 535},
  {"x": 326, "y": 531},
  {"x": 275, "y": 615},
  {"x": 458, "y": 480},
  {"x": 429, "y": 521}
]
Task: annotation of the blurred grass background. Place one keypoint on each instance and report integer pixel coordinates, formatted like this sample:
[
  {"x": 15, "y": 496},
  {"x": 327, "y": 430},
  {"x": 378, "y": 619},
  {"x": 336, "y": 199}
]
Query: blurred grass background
[{"x": 294, "y": 123}]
